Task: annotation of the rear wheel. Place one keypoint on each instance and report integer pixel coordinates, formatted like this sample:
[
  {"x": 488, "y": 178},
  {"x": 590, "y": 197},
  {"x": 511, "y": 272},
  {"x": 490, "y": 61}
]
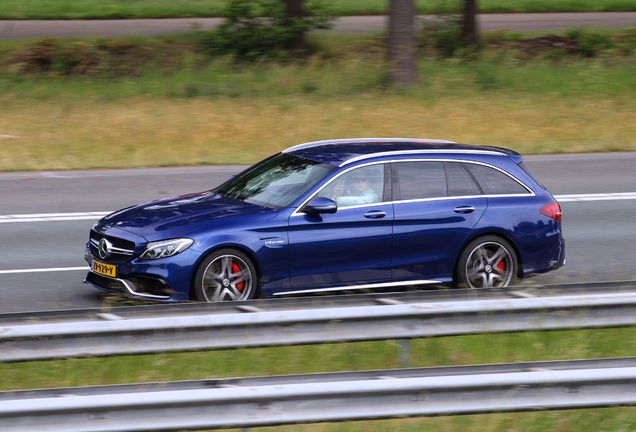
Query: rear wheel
[
  {"x": 487, "y": 262},
  {"x": 225, "y": 275}
]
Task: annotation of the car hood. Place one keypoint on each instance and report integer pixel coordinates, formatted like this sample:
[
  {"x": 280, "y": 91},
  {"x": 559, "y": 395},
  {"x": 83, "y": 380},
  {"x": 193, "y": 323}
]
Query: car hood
[{"x": 151, "y": 218}]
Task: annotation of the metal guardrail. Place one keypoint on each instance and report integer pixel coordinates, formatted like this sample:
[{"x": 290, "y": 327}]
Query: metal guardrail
[
  {"x": 375, "y": 317},
  {"x": 266, "y": 401}
]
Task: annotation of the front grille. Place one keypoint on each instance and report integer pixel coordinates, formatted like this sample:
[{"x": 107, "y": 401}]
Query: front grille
[
  {"x": 117, "y": 242},
  {"x": 114, "y": 257}
]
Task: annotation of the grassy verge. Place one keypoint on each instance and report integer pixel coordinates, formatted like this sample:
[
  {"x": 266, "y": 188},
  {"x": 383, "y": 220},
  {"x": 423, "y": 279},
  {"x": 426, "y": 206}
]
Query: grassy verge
[
  {"x": 133, "y": 103},
  {"x": 62, "y": 134},
  {"x": 480, "y": 349},
  {"x": 117, "y": 9}
]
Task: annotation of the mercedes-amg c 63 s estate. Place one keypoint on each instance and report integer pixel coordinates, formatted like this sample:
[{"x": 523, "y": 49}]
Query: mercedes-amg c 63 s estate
[{"x": 337, "y": 215}]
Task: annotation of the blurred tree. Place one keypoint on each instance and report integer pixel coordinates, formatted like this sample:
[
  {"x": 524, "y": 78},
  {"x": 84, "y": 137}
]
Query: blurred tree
[
  {"x": 295, "y": 10},
  {"x": 401, "y": 44},
  {"x": 265, "y": 28},
  {"x": 470, "y": 32}
]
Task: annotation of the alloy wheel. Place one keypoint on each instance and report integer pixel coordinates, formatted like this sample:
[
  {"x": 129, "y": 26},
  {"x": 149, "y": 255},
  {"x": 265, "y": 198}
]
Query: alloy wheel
[
  {"x": 227, "y": 278},
  {"x": 489, "y": 264}
]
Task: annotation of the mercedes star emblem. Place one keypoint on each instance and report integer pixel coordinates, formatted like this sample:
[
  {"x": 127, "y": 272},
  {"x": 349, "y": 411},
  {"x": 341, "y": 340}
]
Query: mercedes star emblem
[{"x": 104, "y": 248}]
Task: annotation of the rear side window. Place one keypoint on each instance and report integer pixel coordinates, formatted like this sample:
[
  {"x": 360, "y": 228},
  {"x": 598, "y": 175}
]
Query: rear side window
[
  {"x": 495, "y": 182},
  {"x": 419, "y": 180},
  {"x": 460, "y": 181}
]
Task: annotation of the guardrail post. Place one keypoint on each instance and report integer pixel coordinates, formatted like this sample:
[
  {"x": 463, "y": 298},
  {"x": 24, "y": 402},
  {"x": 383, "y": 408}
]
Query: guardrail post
[{"x": 405, "y": 352}]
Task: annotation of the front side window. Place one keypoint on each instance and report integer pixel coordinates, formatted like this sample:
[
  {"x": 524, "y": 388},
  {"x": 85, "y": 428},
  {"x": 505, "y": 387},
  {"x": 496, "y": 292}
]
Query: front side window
[
  {"x": 359, "y": 186},
  {"x": 276, "y": 182},
  {"x": 419, "y": 180},
  {"x": 495, "y": 182}
]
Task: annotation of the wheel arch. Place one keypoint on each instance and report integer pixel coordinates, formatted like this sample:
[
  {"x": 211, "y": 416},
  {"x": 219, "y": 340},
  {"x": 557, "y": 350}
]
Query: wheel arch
[
  {"x": 499, "y": 234},
  {"x": 250, "y": 254}
]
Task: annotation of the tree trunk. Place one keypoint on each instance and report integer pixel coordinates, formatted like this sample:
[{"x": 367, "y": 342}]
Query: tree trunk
[
  {"x": 401, "y": 49},
  {"x": 295, "y": 9},
  {"x": 470, "y": 32}
]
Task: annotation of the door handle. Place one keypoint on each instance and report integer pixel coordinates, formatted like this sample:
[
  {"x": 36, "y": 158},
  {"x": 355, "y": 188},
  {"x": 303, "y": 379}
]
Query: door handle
[
  {"x": 374, "y": 214},
  {"x": 464, "y": 209}
]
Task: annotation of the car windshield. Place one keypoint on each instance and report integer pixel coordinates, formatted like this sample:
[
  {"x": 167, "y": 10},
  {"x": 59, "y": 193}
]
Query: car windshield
[{"x": 276, "y": 182}]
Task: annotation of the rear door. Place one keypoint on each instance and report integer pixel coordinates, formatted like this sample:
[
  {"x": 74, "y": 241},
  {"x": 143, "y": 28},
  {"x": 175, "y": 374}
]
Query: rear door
[{"x": 436, "y": 205}]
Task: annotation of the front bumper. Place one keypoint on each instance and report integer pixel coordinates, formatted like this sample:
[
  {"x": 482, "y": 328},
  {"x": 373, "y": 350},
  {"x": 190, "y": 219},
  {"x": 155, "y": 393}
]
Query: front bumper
[
  {"x": 135, "y": 286},
  {"x": 163, "y": 280}
]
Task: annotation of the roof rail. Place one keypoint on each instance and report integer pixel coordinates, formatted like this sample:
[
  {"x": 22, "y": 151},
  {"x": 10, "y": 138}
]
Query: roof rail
[
  {"x": 364, "y": 140},
  {"x": 408, "y": 152}
]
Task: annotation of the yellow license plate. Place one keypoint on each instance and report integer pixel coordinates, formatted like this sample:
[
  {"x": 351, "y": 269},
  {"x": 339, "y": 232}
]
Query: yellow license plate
[{"x": 105, "y": 269}]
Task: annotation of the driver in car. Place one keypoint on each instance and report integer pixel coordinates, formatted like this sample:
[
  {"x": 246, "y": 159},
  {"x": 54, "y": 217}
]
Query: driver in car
[{"x": 360, "y": 192}]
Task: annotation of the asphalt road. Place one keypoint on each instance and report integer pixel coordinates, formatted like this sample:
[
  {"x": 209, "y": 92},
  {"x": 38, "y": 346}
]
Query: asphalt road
[
  {"x": 15, "y": 30},
  {"x": 599, "y": 229}
]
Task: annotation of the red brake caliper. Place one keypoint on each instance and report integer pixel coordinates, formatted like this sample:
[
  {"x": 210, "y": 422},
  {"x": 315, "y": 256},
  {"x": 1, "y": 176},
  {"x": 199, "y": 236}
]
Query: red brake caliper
[
  {"x": 236, "y": 269},
  {"x": 500, "y": 266}
]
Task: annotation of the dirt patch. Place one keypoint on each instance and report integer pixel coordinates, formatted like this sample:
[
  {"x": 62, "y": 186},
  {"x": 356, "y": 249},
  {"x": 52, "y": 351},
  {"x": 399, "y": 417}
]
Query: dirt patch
[
  {"x": 100, "y": 57},
  {"x": 550, "y": 42}
]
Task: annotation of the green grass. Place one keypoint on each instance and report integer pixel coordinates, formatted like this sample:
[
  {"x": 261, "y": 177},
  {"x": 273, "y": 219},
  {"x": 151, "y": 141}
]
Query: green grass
[
  {"x": 116, "y": 9},
  {"x": 463, "y": 350}
]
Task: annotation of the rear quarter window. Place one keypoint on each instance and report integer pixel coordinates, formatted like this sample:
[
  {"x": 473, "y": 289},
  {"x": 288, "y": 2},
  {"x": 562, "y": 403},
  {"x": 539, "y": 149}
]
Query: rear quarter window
[
  {"x": 527, "y": 171},
  {"x": 495, "y": 182},
  {"x": 460, "y": 181}
]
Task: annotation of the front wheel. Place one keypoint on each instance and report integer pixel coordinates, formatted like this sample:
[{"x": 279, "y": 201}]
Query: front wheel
[
  {"x": 225, "y": 275},
  {"x": 487, "y": 262}
]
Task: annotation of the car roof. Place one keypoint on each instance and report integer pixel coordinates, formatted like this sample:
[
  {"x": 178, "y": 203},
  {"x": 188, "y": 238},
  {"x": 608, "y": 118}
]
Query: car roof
[{"x": 345, "y": 151}]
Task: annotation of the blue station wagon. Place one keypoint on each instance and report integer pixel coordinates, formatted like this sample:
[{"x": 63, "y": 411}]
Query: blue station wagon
[{"x": 337, "y": 215}]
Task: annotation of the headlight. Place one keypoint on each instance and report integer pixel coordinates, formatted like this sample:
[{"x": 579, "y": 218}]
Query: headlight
[{"x": 165, "y": 248}]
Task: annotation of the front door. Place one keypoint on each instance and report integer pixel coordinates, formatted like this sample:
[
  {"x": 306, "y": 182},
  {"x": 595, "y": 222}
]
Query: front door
[{"x": 350, "y": 246}]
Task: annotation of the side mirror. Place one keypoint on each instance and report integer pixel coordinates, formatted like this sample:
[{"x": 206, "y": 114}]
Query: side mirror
[{"x": 321, "y": 205}]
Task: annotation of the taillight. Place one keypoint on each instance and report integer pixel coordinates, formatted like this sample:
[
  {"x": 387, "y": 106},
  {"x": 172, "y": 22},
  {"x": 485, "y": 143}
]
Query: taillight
[{"x": 552, "y": 211}]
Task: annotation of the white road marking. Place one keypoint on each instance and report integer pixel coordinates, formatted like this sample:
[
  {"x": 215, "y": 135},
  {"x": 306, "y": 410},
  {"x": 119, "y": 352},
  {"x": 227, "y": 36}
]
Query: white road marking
[
  {"x": 44, "y": 270},
  {"x": 48, "y": 217},
  {"x": 596, "y": 197}
]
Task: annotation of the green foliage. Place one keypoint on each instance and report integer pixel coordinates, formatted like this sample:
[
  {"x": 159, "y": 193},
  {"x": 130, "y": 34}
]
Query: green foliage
[
  {"x": 444, "y": 34},
  {"x": 261, "y": 28},
  {"x": 444, "y": 31},
  {"x": 351, "y": 65},
  {"x": 590, "y": 43}
]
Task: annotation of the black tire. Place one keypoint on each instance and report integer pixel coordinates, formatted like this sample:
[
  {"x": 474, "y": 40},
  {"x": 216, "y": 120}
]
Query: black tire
[
  {"x": 226, "y": 275},
  {"x": 487, "y": 261}
]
